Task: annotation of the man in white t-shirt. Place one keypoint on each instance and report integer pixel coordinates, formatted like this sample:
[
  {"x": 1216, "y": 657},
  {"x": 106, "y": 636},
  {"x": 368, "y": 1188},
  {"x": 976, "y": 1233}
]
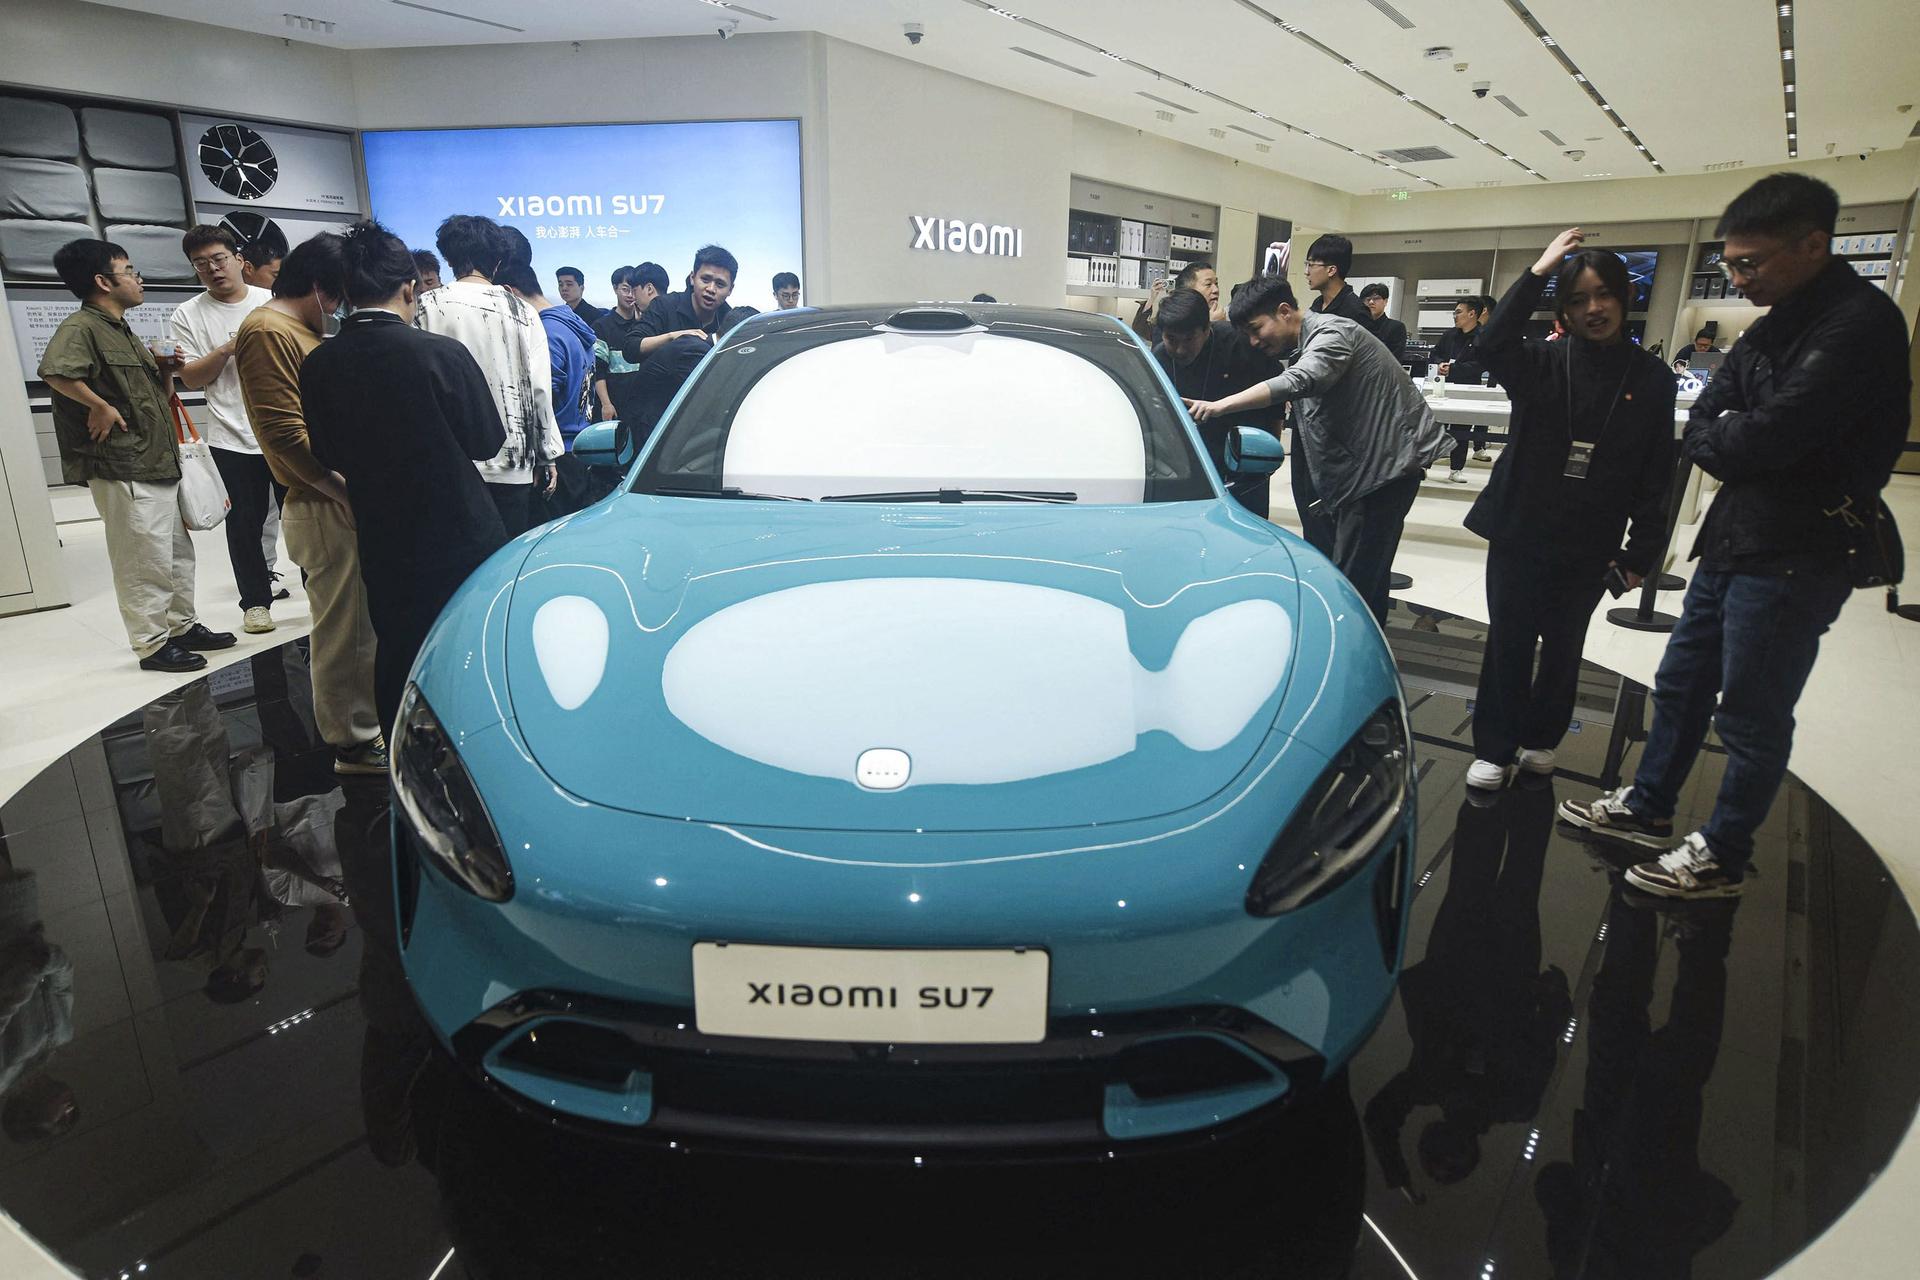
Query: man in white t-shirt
[{"x": 203, "y": 329}]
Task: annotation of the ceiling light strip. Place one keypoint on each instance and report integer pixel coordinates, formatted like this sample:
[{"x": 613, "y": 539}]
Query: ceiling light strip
[
  {"x": 1168, "y": 78},
  {"x": 1580, "y": 78},
  {"x": 464, "y": 17},
  {"x": 1789, "y": 84},
  {"x": 1328, "y": 51}
]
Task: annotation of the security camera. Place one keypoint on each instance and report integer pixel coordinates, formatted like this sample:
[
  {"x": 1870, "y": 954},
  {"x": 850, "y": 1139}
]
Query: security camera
[
  {"x": 727, "y": 29},
  {"x": 1481, "y": 88},
  {"x": 1574, "y": 153},
  {"x": 914, "y": 32}
]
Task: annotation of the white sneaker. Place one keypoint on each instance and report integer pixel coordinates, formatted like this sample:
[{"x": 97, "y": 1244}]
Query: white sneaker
[
  {"x": 257, "y": 620},
  {"x": 1487, "y": 775},
  {"x": 1481, "y": 455},
  {"x": 1690, "y": 871},
  {"x": 1456, "y": 477},
  {"x": 1535, "y": 761}
]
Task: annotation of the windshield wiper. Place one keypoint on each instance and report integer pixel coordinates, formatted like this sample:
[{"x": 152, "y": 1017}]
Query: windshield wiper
[
  {"x": 728, "y": 492},
  {"x": 958, "y": 495}
]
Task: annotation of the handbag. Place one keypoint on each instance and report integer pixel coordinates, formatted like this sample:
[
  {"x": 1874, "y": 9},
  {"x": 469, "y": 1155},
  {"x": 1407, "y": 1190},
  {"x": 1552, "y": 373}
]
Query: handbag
[
  {"x": 203, "y": 495},
  {"x": 1875, "y": 555}
]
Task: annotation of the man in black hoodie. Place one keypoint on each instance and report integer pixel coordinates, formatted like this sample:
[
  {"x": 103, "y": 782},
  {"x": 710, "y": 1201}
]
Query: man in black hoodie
[
  {"x": 1392, "y": 334},
  {"x": 1807, "y": 416}
]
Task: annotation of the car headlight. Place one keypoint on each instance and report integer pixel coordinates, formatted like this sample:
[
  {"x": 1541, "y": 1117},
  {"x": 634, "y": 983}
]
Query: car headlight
[
  {"x": 1352, "y": 807},
  {"x": 441, "y": 805}
]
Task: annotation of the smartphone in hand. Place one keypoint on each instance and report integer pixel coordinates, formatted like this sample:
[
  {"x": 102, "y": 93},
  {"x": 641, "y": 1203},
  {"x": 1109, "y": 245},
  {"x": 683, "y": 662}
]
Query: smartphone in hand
[{"x": 1616, "y": 582}]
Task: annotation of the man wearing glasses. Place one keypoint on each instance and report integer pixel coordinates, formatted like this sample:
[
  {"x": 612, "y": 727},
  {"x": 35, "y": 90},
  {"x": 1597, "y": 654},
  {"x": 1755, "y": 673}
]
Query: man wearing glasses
[
  {"x": 203, "y": 329},
  {"x": 116, "y": 437},
  {"x": 1805, "y": 419}
]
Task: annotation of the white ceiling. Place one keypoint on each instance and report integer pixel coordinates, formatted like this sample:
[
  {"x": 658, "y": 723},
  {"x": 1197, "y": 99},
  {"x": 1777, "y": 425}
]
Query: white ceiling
[{"x": 1698, "y": 84}]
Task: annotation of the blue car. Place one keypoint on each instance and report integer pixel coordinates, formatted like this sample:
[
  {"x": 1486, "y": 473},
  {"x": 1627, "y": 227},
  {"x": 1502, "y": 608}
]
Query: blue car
[{"x": 919, "y": 752}]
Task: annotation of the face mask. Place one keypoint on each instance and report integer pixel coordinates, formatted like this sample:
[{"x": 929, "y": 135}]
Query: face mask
[{"x": 334, "y": 319}]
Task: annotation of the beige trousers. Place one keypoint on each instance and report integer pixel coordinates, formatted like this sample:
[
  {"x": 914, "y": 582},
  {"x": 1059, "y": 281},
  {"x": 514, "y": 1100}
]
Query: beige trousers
[
  {"x": 152, "y": 559},
  {"x": 321, "y": 540}
]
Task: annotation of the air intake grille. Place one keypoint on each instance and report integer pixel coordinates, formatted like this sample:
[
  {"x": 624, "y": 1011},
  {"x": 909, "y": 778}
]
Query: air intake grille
[
  {"x": 1509, "y": 104},
  {"x": 1414, "y": 155}
]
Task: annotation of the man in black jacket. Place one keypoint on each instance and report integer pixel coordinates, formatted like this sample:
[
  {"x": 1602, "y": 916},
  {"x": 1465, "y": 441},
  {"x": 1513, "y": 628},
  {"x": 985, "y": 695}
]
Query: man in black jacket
[
  {"x": 1457, "y": 357},
  {"x": 1210, "y": 360},
  {"x": 1809, "y": 411},
  {"x": 402, "y": 415},
  {"x": 1328, "y": 261},
  {"x": 1392, "y": 334}
]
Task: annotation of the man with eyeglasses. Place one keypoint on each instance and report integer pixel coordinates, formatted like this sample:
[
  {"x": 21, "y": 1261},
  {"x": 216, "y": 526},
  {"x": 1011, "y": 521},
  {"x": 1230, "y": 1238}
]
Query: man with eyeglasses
[
  {"x": 116, "y": 437},
  {"x": 203, "y": 328},
  {"x": 1804, "y": 420}
]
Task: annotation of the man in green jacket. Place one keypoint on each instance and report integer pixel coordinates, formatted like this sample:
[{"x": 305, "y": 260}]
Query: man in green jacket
[{"x": 116, "y": 437}]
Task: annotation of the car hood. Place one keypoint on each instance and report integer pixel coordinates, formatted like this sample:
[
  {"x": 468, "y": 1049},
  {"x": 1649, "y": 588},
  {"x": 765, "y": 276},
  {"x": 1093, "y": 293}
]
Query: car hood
[{"x": 925, "y": 668}]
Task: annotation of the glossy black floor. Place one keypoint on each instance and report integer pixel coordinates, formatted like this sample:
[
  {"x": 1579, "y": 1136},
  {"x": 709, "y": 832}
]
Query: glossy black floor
[{"x": 199, "y": 996}]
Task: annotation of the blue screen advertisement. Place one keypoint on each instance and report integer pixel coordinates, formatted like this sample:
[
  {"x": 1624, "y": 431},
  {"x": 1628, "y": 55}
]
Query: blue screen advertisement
[{"x": 603, "y": 196}]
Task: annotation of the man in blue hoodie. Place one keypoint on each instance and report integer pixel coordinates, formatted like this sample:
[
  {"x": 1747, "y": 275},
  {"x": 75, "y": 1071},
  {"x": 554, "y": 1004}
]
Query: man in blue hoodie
[{"x": 570, "y": 352}]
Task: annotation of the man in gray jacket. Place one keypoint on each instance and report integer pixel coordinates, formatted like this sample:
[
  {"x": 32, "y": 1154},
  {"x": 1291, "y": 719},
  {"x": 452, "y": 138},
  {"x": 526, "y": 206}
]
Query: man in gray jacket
[{"x": 1365, "y": 426}]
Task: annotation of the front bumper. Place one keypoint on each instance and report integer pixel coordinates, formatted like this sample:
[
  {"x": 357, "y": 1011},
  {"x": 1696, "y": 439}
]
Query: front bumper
[
  {"x": 1140, "y": 1080},
  {"x": 1171, "y": 1010}
]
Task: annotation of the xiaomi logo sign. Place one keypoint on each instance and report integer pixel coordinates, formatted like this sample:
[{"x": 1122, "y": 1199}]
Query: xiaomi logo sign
[{"x": 951, "y": 235}]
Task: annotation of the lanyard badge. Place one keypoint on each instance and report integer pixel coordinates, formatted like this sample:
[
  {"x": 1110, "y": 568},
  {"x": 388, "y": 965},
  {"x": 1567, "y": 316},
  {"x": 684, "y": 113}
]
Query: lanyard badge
[{"x": 1579, "y": 459}]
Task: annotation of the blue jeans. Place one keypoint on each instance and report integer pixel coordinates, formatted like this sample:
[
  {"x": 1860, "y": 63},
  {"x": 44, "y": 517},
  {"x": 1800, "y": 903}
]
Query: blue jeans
[{"x": 1747, "y": 641}]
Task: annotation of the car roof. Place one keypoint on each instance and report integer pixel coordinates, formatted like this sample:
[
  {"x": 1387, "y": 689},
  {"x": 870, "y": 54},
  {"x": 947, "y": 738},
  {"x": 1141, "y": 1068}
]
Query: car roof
[{"x": 928, "y": 317}]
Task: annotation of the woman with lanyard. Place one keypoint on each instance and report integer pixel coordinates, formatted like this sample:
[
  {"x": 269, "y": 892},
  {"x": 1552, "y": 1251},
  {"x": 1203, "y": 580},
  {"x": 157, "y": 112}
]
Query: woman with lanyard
[{"x": 1590, "y": 448}]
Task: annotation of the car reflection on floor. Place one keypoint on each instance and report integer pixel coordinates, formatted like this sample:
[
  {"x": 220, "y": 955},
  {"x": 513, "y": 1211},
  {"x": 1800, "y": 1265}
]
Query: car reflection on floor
[{"x": 215, "y": 1066}]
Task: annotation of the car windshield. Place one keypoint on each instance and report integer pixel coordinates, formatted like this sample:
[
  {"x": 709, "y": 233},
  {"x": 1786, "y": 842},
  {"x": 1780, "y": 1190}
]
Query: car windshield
[{"x": 1011, "y": 412}]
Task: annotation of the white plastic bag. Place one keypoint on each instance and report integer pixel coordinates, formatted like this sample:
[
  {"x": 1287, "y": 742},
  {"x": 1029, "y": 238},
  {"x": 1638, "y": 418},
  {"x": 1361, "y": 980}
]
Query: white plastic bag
[{"x": 203, "y": 496}]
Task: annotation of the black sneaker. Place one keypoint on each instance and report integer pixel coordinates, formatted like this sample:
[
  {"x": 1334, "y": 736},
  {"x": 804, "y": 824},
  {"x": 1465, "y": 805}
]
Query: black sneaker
[
  {"x": 199, "y": 639},
  {"x": 1608, "y": 815},
  {"x": 172, "y": 657},
  {"x": 1690, "y": 871},
  {"x": 366, "y": 759},
  {"x": 279, "y": 592}
]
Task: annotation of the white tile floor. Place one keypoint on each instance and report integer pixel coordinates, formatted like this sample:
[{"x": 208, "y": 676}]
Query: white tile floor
[{"x": 69, "y": 673}]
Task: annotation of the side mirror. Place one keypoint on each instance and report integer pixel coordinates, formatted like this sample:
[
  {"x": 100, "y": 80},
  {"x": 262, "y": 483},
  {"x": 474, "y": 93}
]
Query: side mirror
[
  {"x": 1253, "y": 452},
  {"x": 599, "y": 446}
]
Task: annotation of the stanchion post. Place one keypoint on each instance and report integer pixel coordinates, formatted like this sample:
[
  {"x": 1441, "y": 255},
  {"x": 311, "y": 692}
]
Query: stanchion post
[
  {"x": 1643, "y": 616},
  {"x": 1629, "y": 715}
]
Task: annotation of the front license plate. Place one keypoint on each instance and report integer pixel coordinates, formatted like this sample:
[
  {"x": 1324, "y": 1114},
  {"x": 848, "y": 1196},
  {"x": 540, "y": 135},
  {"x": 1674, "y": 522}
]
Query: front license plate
[{"x": 890, "y": 997}]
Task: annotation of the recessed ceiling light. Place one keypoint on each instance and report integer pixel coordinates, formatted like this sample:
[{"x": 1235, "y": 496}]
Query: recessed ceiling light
[
  {"x": 1606, "y": 106},
  {"x": 1577, "y": 76},
  {"x": 1790, "y": 115},
  {"x": 1643, "y": 148},
  {"x": 1547, "y": 40},
  {"x": 1790, "y": 88},
  {"x": 1786, "y": 55},
  {"x": 1786, "y": 11}
]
